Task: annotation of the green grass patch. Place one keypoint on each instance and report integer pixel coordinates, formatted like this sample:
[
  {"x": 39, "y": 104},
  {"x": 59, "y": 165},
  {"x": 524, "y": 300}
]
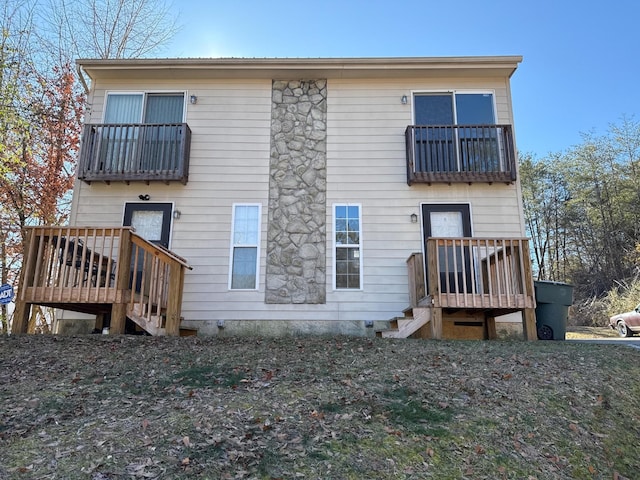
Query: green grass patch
[{"x": 404, "y": 408}]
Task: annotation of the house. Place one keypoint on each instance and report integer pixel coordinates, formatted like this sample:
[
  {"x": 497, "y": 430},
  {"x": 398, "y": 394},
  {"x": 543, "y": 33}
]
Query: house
[{"x": 347, "y": 196}]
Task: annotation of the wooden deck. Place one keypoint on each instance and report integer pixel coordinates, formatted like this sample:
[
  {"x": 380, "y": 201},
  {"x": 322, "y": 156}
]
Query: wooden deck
[
  {"x": 471, "y": 281},
  {"x": 102, "y": 271}
]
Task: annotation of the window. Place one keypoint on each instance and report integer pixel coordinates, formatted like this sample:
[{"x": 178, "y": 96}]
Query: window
[
  {"x": 144, "y": 108},
  {"x": 245, "y": 240},
  {"x": 348, "y": 248},
  {"x": 142, "y": 132},
  {"x": 454, "y": 109},
  {"x": 456, "y": 132}
]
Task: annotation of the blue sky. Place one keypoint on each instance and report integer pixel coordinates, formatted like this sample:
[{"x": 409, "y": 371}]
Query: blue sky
[{"x": 581, "y": 67}]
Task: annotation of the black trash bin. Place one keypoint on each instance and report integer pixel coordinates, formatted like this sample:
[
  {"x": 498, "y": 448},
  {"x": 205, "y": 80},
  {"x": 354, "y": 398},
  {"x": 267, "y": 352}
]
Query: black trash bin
[{"x": 553, "y": 300}]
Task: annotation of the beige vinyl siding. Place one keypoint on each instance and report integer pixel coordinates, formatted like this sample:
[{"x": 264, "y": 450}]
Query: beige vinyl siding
[
  {"x": 366, "y": 165},
  {"x": 229, "y": 164}
]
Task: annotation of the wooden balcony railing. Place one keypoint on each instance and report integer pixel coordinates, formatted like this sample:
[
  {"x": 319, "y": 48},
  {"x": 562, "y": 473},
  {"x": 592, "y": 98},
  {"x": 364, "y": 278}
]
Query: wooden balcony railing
[
  {"x": 474, "y": 273},
  {"x": 460, "y": 153},
  {"x": 135, "y": 152},
  {"x": 96, "y": 270}
]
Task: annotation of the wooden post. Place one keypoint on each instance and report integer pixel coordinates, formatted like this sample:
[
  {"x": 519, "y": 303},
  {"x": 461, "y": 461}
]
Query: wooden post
[
  {"x": 436, "y": 324},
  {"x": 21, "y": 316},
  {"x": 490, "y": 323},
  {"x": 174, "y": 302},
  {"x": 99, "y": 323},
  {"x": 529, "y": 324},
  {"x": 22, "y": 311},
  {"x": 529, "y": 314},
  {"x": 119, "y": 309}
]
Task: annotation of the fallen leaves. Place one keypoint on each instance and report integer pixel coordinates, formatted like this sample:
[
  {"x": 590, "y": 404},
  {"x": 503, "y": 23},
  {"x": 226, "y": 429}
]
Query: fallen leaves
[{"x": 277, "y": 408}]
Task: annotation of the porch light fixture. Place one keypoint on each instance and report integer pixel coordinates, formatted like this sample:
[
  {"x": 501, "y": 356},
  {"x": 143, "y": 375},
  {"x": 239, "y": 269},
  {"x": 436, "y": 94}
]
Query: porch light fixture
[
  {"x": 414, "y": 218},
  {"x": 177, "y": 214},
  {"x": 404, "y": 99},
  {"x": 193, "y": 99}
]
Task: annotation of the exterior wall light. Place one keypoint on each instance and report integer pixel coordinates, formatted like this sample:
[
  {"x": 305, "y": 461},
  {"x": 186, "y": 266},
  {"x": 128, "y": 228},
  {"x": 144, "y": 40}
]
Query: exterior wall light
[
  {"x": 404, "y": 99},
  {"x": 193, "y": 99},
  {"x": 414, "y": 218},
  {"x": 177, "y": 214}
]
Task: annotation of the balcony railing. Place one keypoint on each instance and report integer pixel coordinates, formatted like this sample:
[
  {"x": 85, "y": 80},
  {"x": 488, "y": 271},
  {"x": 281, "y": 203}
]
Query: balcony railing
[
  {"x": 473, "y": 273},
  {"x": 135, "y": 152},
  {"x": 460, "y": 154}
]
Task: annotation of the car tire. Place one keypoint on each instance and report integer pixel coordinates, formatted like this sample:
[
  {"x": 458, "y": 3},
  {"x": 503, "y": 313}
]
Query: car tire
[
  {"x": 623, "y": 330},
  {"x": 545, "y": 332}
]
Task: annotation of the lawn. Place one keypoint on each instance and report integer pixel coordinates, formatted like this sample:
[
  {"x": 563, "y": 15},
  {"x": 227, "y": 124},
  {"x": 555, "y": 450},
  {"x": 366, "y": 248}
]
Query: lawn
[{"x": 115, "y": 407}]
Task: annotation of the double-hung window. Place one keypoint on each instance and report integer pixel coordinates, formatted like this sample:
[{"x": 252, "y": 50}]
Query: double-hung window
[
  {"x": 245, "y": 242},
  {"x": 347, "y": 247}
]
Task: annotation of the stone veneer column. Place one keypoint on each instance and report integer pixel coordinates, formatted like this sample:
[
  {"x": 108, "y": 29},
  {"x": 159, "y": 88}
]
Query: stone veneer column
[{"x": 296, "y": 235}]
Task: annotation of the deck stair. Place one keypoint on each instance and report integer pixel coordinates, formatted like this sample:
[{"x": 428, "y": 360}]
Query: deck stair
[
  {"x": 152, "y": 324},
  {"x": 155, "y": 324},
  {"x": 411, "y": 324}
]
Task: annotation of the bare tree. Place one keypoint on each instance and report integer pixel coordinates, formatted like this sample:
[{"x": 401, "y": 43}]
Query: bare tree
[
  {"x": 111, "y": 29},
  {"x": 41, "y": 103}
]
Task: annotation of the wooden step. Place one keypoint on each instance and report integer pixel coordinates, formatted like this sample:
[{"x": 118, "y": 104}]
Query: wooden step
[{"x": 404, "y": 327}]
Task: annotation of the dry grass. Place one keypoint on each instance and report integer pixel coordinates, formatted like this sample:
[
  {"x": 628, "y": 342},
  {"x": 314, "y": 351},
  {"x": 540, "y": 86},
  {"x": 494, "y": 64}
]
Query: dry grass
[
  {"x": 111, "y": 407},
  {"x": 584, "y": 333}
]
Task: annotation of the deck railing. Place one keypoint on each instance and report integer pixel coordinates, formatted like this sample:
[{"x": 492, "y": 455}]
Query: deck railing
[
  {"x": 88, "y": 269},
  {"x": 474, "y": 273},
  {"x": 135, "y": 152},
  {"x": 460, "y": 153}
]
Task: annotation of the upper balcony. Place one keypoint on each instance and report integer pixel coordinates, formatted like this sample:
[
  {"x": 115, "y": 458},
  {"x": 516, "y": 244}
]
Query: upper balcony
[
  {"x": 135, "y": 152},
  {"x": 460, "y": 154}
]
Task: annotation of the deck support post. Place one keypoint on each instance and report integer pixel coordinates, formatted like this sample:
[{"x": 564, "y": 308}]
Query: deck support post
[
  {"x": 529, "y": 324},
  {"x": 490, "y": 325},
  {"x": 118, "y": 318},
  {"x": 99, "y": 323},
  {"x": 174, "y": 302},
  {"x": 436, "y": 324},
  {"x": 119, "y": 310},
  {"x": 21, "y": 316}
]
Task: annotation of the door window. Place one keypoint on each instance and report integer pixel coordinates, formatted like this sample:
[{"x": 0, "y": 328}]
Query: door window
[{"x": 152, "y": 221}]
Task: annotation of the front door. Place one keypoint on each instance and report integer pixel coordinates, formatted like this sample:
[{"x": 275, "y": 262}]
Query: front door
[
  {"x": 152, "y": 221},
  {"x": 449, "y": 221}
]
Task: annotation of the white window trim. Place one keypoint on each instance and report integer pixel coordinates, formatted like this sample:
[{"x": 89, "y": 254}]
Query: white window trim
[
  {"x": 414, "y": 93},
  {"x": 335, "y": 246},
  {"x": 144, "y": 93},
  {"x": 257, "y": 245}
]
